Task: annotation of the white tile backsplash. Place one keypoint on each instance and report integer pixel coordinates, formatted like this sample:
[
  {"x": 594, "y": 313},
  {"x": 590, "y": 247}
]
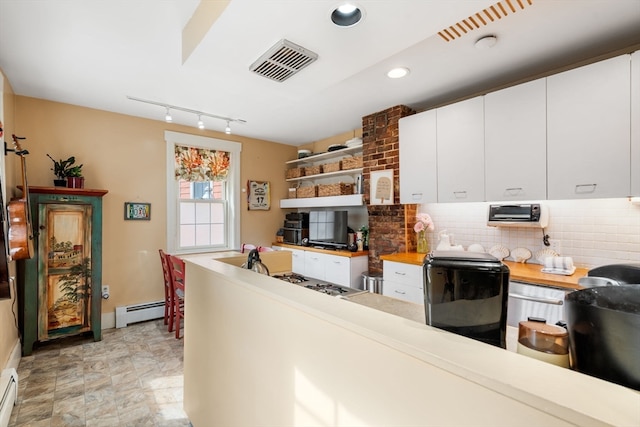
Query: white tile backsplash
[{"x": 593, "y": 232}]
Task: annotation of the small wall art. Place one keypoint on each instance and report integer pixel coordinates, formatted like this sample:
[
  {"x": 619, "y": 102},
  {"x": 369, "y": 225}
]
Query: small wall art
[
  {"x": 137, "y": 211},
  {"x": 381, "y": 189},
  {"x": 259, "y": 195}
]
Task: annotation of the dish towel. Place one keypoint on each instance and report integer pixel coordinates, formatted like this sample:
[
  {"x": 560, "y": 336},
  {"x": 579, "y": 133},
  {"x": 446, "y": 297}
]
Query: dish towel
[{"x": 559, "y": 265}]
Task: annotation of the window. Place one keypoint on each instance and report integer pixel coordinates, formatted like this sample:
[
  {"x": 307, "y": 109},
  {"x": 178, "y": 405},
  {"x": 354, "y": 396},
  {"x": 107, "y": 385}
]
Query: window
[{"x": 201, "y": 212}]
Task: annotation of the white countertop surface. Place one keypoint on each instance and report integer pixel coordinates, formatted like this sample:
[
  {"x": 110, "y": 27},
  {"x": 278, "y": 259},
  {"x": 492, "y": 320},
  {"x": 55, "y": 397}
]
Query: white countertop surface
[{"x": 570, "y": 395}]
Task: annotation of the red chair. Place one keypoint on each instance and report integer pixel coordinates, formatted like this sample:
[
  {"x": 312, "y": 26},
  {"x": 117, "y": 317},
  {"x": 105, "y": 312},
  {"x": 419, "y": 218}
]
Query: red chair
[
  {"x": 176, "y": 268},
  {"x": 168, "y": 292}
]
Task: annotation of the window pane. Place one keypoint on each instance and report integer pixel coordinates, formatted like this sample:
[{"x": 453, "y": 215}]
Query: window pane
[
  {"x": 187, "y": 213},
  {"x": 202, "y": 213},
  {"x": 217, "y": 213},
  {"x": 202, "y": 235},
  {"x": 187, "y": 235},
  {"x": 217, "y": 234}
]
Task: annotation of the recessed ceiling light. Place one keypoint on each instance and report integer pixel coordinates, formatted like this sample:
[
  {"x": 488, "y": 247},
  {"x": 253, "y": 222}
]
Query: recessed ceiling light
[
  {"x": 486, "y": 42},
  {"x": 346, "y": 15},
  {"x": 398, "y": 73}
]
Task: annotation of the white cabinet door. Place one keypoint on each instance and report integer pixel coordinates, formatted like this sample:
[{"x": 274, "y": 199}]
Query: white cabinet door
[
  {"x": 315, "y": 265},
  {"x": 635, "y": 124},
  {"x": 297, "y": 261},
  {"x": 418, "y": 159},
  {"x": 516, "y": 142},
  {"x": 588, "y": 122},
  {"x": 403, "y": 281},
  {"x": 460, "y": 145},
  {"x": 337, "y": 270}
]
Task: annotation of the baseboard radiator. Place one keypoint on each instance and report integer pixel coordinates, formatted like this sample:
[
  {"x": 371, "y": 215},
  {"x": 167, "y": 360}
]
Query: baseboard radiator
[
  {"x": 8, "y": 394},
  {"x": 127, "y": 315}
]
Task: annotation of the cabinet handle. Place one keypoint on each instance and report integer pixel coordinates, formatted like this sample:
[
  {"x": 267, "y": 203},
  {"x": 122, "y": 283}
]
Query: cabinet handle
[
  {"x": 399, "y": 292},
  {"x": 585, "y": 188},
  {"x": 553, "y": 301},
  {"x": 460, "y": 194},
  {"x": 399, "y": 273},
  {"x": 513, "y": 191},
  {"x": 416, "y": 196}
]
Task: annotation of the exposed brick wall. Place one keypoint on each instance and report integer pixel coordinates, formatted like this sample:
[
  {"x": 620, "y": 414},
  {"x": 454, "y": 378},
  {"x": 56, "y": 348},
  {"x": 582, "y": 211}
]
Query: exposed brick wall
[{"x": 389, "y": 229}]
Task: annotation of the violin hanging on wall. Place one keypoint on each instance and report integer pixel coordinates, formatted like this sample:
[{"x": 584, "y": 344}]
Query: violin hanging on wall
[
  {"x": 5, "y": 292},
  {"x": 19, "y": 212}
]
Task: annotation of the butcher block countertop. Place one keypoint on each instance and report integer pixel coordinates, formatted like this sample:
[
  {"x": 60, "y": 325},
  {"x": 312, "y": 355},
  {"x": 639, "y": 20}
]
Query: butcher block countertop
[
  {"x": 344, "y": 253},
  {"x": 527, "y": 273}
]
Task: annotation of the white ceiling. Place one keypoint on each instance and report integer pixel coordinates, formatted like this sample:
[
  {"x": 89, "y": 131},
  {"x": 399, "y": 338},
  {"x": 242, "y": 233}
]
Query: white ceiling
[{"x": 96, "y": 53}]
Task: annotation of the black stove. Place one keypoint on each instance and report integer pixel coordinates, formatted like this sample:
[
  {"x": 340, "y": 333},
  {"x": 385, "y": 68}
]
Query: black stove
[{"x": 317, "y": 285}]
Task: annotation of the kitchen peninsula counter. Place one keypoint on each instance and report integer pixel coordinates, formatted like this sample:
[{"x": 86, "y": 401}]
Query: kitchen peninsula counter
[
  {"x": 260, "y": 351},
  {"x": 521, "y": 272}
]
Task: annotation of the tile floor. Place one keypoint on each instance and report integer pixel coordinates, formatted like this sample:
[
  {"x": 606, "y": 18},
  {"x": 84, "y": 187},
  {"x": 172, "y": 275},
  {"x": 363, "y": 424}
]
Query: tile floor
[{"x": 133, "y": 377}]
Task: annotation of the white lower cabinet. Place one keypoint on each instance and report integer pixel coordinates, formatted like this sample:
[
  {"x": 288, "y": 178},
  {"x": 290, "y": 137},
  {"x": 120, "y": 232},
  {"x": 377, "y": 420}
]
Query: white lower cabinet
[
  {"x": 315, "y": 265},
  {"x": 403, "y": 281},
  {"x": 297, "y": 261},
  {"x": 341, "y": 270}
]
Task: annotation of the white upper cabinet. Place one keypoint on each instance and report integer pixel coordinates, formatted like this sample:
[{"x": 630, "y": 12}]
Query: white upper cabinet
[
  {"x": 635, "y": 123},
  {"x": 460, "y": 146},
  {"x": 418, "y": 160},
  {"x": 515, "y": 143},
  {"x": 588, "y": 138}
]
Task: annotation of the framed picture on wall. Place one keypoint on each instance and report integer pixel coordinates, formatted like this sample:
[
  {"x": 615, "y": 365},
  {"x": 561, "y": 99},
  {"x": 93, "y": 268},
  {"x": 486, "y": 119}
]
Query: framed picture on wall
[
  {"x": 137, "y": 211},
  {"x": 259, "y": 195},
  {"x": 381, "y": 188}
]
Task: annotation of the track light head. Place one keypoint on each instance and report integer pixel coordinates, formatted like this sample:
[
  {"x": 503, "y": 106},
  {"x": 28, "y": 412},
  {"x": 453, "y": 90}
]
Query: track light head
[
  {"x": 200, "y": 122},
  {"x": 227, "y": 130},
  {"x": 167, "y": 117}
]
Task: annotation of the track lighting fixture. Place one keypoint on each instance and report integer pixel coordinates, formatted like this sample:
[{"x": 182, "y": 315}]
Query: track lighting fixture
[{"x": 170, "y": 107}]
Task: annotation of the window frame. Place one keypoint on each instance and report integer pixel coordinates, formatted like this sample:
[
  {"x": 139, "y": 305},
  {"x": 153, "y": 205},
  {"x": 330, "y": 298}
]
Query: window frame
[{"x": 234, "y": 189}]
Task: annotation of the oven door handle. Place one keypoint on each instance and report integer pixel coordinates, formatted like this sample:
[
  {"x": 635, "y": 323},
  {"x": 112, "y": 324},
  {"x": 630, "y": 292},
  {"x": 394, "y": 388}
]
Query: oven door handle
[{"x": 553, "y": 301}]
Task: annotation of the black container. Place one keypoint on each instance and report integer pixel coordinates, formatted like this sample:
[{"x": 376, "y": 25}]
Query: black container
[
  {"x": 466, "y": 293},
  {"x": 604, "y": 333}
]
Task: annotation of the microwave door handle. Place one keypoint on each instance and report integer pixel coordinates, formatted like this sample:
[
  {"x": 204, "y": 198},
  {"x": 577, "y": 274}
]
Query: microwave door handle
[{"x": 553, "y": 301}]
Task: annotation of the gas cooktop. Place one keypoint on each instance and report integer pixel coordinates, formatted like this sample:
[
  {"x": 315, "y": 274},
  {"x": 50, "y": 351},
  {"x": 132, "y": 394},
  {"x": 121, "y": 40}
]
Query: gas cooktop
[{"x": 318, "y": 285}]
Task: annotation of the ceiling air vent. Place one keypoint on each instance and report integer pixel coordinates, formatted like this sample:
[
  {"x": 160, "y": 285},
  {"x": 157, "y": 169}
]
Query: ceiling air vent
[{"x": 282, "y": 61}]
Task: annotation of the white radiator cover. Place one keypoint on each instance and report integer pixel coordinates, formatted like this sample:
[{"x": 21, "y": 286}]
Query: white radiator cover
[
  {"x": 8, "y": 394},
  {"x": 126, "y": 315}
]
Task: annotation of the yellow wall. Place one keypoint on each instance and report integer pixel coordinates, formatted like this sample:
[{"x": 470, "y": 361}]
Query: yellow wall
[
  {"x": 8, "y": 328},
  {"x": 126, "y": 156}
]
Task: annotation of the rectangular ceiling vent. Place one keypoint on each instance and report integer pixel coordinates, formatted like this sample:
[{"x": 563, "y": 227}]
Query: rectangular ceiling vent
[{"x": 283, "y": 60}]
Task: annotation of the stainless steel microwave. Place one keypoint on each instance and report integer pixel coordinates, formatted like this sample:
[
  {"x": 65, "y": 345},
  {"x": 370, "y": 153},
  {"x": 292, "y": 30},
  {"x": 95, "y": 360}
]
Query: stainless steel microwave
[{"x": 518, "y": 215}]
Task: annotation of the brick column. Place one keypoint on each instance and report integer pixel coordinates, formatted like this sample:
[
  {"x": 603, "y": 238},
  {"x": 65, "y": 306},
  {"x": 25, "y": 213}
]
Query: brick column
[{"x": 390, "y": 226}]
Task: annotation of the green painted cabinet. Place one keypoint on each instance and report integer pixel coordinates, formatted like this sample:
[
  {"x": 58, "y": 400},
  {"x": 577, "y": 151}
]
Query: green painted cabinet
[{"x": 60, "y": 286}]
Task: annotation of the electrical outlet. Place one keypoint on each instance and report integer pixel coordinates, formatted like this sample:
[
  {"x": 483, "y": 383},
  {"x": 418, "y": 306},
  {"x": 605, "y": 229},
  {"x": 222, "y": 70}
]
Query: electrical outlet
[
  {"x": 556, "y": 245},
  {"x": 105, "y": 289}
]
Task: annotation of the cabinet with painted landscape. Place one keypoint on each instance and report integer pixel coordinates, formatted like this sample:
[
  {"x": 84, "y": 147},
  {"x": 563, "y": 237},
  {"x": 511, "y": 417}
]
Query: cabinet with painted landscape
[{"x": 60, "y": 286}]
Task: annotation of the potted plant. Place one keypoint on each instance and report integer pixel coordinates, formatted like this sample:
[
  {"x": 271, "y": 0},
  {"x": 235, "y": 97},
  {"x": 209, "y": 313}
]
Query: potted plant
[
  {"x": 66, "y": 169},
  {"x": 74, "y": 177}
]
